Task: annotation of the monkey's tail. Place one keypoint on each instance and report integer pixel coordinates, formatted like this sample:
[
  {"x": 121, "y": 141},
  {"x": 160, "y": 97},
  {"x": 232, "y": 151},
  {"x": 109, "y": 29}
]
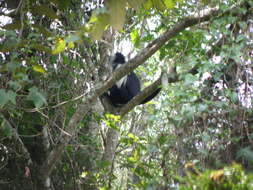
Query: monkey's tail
[{"x": 151, "y": 96}]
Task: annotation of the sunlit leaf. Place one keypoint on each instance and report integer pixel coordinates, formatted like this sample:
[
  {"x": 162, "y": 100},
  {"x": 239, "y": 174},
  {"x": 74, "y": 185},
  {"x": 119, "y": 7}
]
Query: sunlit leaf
[
  {"x": 217, "y": 175},
  {"x": 93, "y": 18},
  {"x": 169, "y": 3},
  {"x": 136, "y": 154},
  {"x": 71, "y": 45},
  {"x": 113, "y": 117},
  {"x": 133, "y": 137},
  {"x": 115, "y": 16},
  {"x": 148, "y": 4},
  {"x": 131, "y": 159},
  {"x": 159, "y": 5},
  {"x": 59, "y": 46},
  {"x": 84, "y": 174},
  {"x": 136, "y": 4},
  {"x": 39, "y": 69},
  {"x": 135, "y": 37},
  {"x": 116, "y": 13},
  {"x": 99, "y": 26}
]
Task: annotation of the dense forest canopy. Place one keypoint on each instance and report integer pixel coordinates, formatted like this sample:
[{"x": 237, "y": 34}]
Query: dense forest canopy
[{"x": 60, "y": 130}]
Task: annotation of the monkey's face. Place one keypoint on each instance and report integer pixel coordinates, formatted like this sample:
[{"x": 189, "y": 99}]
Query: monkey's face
[{"x": 117, "y": 60}]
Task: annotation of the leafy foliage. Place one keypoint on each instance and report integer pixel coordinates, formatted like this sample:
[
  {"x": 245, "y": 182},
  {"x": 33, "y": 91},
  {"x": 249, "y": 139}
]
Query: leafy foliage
[
  {"x": 228, "y": 178},
  {"x": 54, "y": 53}
]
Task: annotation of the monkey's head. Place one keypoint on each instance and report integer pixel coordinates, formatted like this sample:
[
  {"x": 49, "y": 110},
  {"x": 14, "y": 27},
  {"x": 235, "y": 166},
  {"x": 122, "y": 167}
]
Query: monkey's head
[{"x": 117, "y": 60}]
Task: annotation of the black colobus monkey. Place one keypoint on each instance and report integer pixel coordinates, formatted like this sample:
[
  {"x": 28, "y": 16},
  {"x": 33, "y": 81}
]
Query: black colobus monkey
[{"x": 127, "y": 87}]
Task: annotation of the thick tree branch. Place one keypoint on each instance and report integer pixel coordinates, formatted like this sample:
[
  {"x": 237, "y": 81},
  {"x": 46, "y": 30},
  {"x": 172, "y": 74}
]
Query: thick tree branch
[
  {"x": 173, "y": 77},
  {"x": 92, "y": 96},
  {"x": 140, "y": 97}
]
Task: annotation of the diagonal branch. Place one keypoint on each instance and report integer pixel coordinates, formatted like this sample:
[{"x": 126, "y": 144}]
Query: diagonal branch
[
  {"x": 173, "y": 77},
  {"x": 140, "y": 97}
]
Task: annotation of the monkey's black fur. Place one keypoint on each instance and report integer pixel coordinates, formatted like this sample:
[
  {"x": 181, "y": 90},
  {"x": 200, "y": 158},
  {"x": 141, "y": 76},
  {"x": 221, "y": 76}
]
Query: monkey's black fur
[{"x": 127, "y": 87}]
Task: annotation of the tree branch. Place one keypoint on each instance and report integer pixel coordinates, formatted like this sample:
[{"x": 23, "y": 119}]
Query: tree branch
[
  {"x": 173, "y": 77},
  {"x": 140, "y": 97}
]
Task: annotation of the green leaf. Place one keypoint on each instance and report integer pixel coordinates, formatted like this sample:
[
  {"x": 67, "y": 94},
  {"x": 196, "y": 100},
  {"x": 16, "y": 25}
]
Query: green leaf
[
  {"x": 6, "y": 128},
  {"x": 148, "y": 4},
  {"x": 13, "y": 66},
  {"x": 59, "y": 46},
  {"x": 190, "y": 79},
  {"x": 116, "y": 13},
  {"x": 133, "y": 137},
  {"x": 71, "y": 45},
  {"x": 169, "y": 3},
  {"x": 234, "y": 97},
  {"x": 12, "y": 96},
  {"x": 202, "y": 107},
  {"x": 39, "y": 69},
  {"x": 159, "y": 5},
  {"x": 3, "y": 98},
  {"x": 135, "y": 37},
  {"x": 14, "y": 85},
  {"x": 7, "y": 96},
  {"x": 38, "y": 99},
  {"x": 100, "y": 22},
  {"x": 162, "y": 139}
]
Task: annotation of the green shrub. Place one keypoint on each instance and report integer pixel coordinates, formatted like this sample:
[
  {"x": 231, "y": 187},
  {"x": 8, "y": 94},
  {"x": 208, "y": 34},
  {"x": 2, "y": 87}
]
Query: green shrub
[{"x": 228, "y": 178}]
